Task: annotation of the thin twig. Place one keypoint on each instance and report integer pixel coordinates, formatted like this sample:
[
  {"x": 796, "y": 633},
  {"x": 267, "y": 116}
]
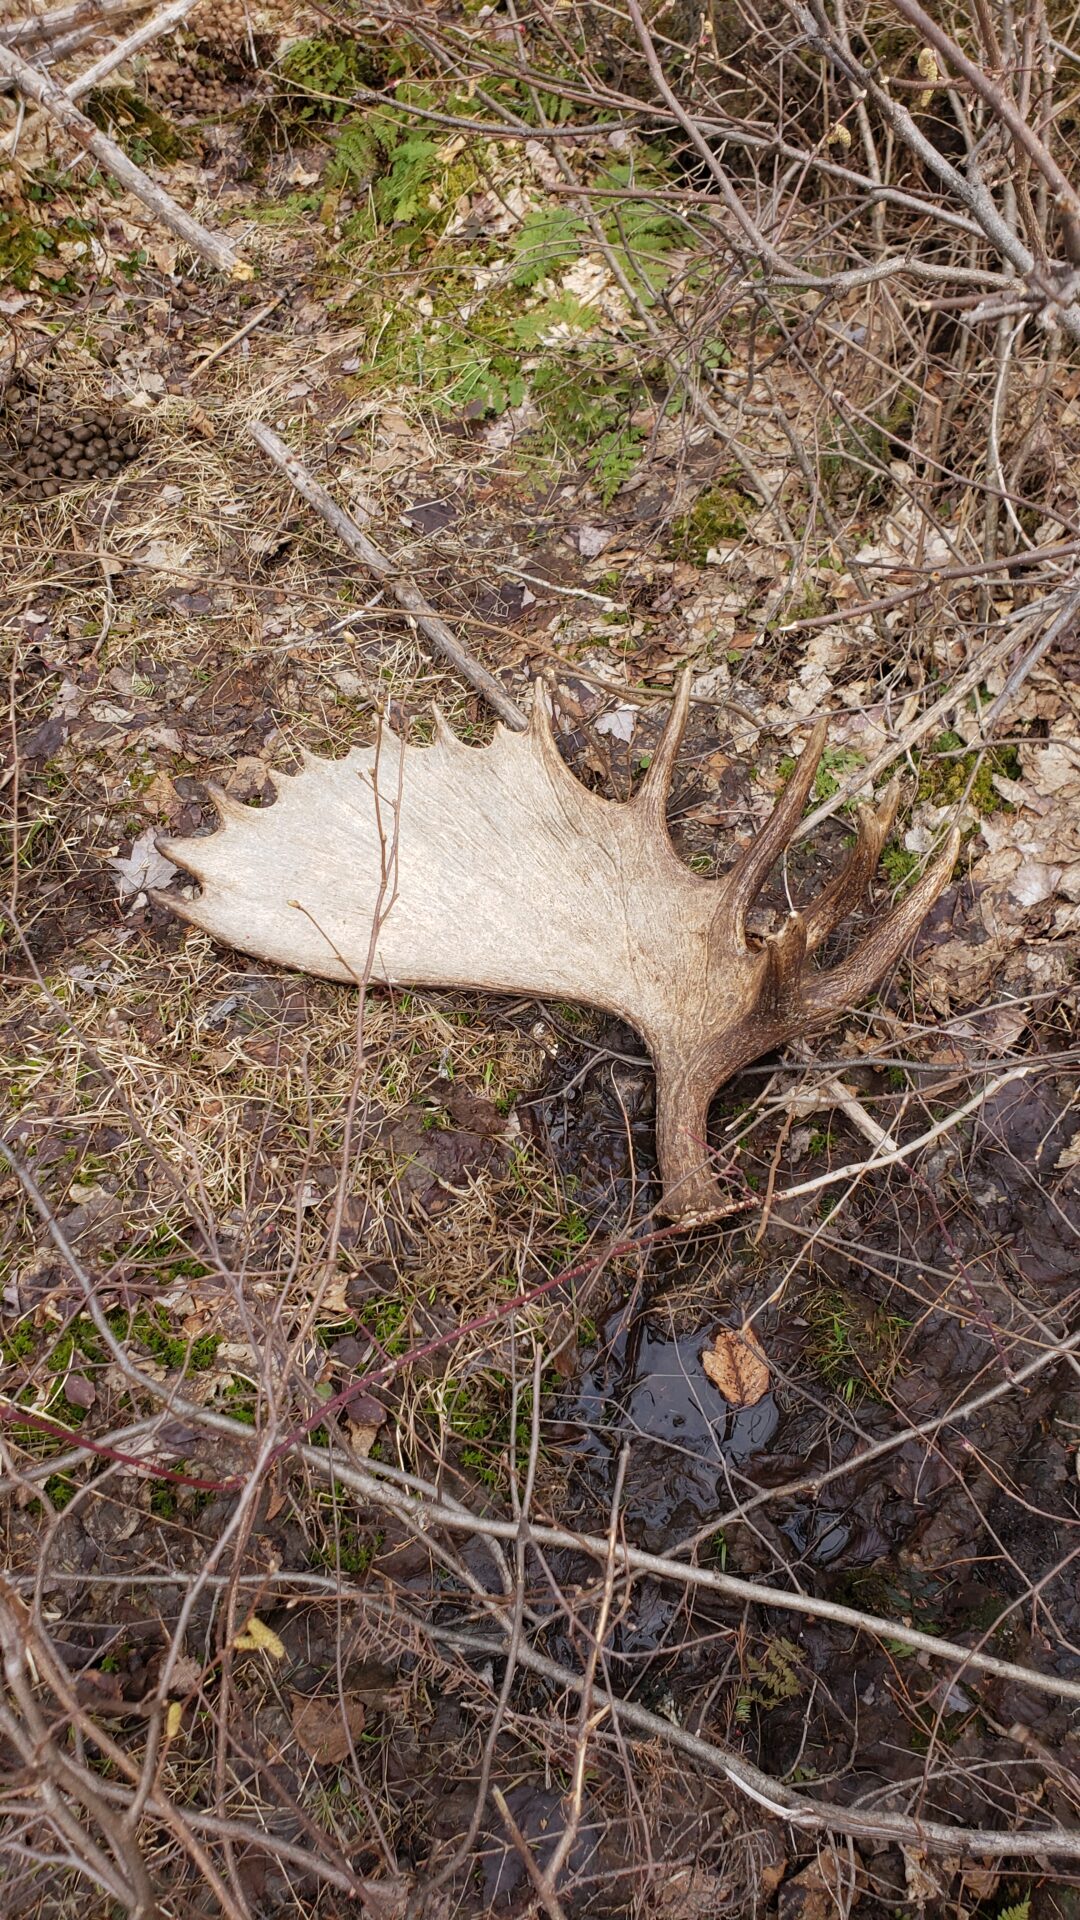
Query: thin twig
[
  {"x": 152, "y": 29},
  {"x": 405, "y": 591},
  {"x": 797, "y": 1809},
  {"x": 48, "y": 26}
]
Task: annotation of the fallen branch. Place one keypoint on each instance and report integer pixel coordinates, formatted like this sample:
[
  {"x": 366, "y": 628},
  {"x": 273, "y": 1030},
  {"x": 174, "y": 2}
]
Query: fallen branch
[
  {"x": 35, "y": 85},
  {"x": 796, "y": 1808},
  {"x": 169, "y": 16},
  {"x": 1064, "y": 624},
  {"x": 48, "y": 56},
  {"x": 240, "y": 333},
  {"x": 405, "y": 592},
  {"x": 47, "y": 26}
]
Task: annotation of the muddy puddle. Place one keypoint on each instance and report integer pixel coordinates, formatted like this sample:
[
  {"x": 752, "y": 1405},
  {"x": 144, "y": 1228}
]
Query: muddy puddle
[
  {"x": 927, "y": 1289},
  {"x": 645, "y": 1389}
]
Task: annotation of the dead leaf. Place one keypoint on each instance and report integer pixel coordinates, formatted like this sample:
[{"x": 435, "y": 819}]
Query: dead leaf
[
  {"x": 821, "y": 1890},
  {"x": 78, "y": 1391},
  {"x": 326, "y": 1724},
  {"x": 736, "y": 1364},
  {"x": 143, "y": 867},
  {"x": 362, "y": 1437},
  {"x": 619, "y": 723},
  {"x": 1069, "y": 1156},
  {"x": 186, "y": 1673}
]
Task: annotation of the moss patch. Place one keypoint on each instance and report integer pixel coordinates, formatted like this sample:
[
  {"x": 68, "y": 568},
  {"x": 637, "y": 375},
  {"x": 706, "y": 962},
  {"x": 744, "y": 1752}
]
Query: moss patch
[
  {"x": 720, "y": 514},
  {"x": 853, "y": 1346},
  {"x": 944, "y": 778},
  {"x": 142, "y": 132}
]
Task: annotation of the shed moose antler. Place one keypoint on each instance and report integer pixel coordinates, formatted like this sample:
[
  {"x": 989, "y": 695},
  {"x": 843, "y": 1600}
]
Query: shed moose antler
[{"x": 494, "y": 868}]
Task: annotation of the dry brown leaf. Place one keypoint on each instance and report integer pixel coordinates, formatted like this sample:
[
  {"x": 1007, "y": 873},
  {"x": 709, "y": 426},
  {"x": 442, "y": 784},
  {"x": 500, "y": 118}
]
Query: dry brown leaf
[
  {"x": 326, "y": 1724},
  {"x": 822, "y": 1890},
  {"x": 736, "y": 1364},
  {"x": 362, "y": 1437}
]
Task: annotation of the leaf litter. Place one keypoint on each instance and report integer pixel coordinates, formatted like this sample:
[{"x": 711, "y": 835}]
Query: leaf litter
[{"x": 193, "y": 630}]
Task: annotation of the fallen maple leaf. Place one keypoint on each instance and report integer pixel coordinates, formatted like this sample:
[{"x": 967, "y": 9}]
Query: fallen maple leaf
[{"x": 736, "y": 1365}]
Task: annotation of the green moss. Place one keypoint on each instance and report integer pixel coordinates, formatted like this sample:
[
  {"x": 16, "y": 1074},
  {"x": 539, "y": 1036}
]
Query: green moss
[
  {"x": 899, "y": 866},
  {"x": 163, "y": 1500},
  {"x": 136, "y": 126},
  {"x": 478, "y": 1413},
  {"x": 171, "y": 1258},
  {"x": 835, "y": 767},
  {"x": 387, "y": 1321},
  {"x": 25, "y": 245},
  {"x": 18, "y": 1344},
  {"x": 345, "y": 1545},
  {"x": 944, "y": 779},
  {"x": 238, "y": 1402},
  {"x": 148, "y": 1328},
  {"x": 719, "y": 514},
  {"x": 809, "y": 605},
  {"x": 60, "y": 1490}
]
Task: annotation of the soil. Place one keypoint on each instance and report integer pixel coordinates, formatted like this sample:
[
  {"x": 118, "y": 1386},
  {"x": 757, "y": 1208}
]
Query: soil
[{"x": 279, "y": 1258}]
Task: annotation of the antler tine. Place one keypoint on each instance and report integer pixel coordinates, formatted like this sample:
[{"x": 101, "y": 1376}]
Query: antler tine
[
  {"x": 843, "y": 985},
  {"x": 849, "y": 885},
  {"x": 747, "y": 877},
  {"x": 652, "y": 796},
  {"x": 540, "y": 711}
]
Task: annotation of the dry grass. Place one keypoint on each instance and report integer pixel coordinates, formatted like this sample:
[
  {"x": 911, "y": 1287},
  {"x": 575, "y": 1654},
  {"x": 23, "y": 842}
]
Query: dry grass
[{"x": 349, "y": 1314}]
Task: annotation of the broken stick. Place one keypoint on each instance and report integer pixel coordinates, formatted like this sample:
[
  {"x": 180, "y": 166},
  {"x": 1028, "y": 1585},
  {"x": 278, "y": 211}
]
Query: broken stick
[
  {"x": 57, "y": 50},
  {"x": 405, "y": 592},
  {"x": 47, "y": 26},
  {"x": 32, "y": 83},
  {"x": 169, "y": 16}
]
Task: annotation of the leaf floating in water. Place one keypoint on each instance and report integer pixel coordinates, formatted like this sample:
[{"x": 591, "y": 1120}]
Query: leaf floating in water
[{"x": 736, "y": 1364}]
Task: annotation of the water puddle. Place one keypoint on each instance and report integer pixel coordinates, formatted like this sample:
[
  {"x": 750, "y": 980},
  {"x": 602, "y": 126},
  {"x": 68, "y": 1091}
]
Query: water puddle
[{"x": 646, "y": 1388}]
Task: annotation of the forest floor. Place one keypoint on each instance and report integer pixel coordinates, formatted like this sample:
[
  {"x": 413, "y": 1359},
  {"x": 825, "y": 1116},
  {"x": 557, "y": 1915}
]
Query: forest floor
[{"x": 318, "y": 1308}]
